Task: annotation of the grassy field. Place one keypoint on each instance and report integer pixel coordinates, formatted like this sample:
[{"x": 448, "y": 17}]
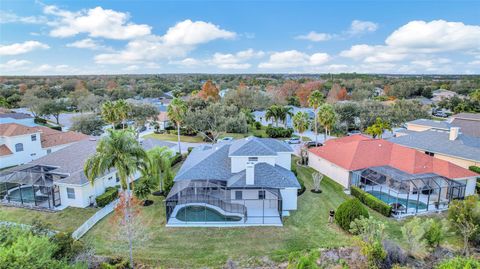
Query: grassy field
[
  {"x": 66, "y": 220},
  {"x": 173, "y": 137}
]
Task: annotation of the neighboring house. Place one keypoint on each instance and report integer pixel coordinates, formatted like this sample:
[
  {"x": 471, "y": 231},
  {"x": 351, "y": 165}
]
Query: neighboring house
[
  {"x": 20, "y": 118},
  {"x": 223, "y": 92},
  {"x": 246, "y": 182},
  {"x": 407, "y": 179},
  {"x": 441, "y": 94},
  {"x": 378, "y": 91},
  {"x": 469, "y": 124},
  {"x": 260, "y": 117},
  {"x": 21, "y": 144},
  {"x": 163, "y": 121},
  {"x": 57, "y": 180}
]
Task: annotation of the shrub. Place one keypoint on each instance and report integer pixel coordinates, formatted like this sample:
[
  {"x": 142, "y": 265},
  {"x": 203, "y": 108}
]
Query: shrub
[
  {"x": 176, "y": 159},
  {"x": 348, "y": 211},
  {"x": 475, "y": 169},
  {"x": 110, "y": 194},
  {"x": 67, "y": 247},
  {"x": 459, "y": 263},
  {"x": 435, "y": 233},
  {"x": 116, "y": 263},
  {"x": 189, "y": 149},
  {"x": 38, "y": 120},
  {"x": 278, "y": 132},
  {"x": 257, "y": 125},
  {"x": 371, "y": 201},
  {"x": 58, "y": 128},
  {"x": 168, "y": 181}
]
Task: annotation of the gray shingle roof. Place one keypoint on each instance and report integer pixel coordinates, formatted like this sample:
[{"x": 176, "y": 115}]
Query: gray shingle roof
[
  {"x": 267, "y": 176},
  {"x": 254, "y": 146},
  {"x": 467, "y": 126},
  {"x": 209, "y": 164},
  {"x": 466, "y": 147},
  {"x": 432, "y": 123}
]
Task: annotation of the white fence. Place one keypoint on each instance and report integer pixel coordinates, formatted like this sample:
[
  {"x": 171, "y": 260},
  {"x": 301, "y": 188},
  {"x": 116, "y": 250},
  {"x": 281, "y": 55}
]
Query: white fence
[{"x": 99, "y": 215}]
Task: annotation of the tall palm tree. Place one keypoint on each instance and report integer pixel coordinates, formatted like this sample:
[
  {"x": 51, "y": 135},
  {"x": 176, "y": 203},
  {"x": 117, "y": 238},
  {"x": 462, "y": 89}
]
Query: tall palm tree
[
  {"x": 327, "y": 118},
  {"x": 315, "y": 101},
  {"x": 109, "y": 113},
  {"x": 283, "y": 113},
  {"x": 121, "y": 151},
  {"x": 158, "y": 164},
  {"x": 123, "y": 109},
  {"x": 301, "y": 121},
  {"x": 273, "y": 113},
  {"x": 176, "y": 112}
]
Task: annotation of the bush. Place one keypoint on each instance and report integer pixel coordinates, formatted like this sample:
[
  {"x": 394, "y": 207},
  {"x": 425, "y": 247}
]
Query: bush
[
  {"x": 67, "y": 247},
  {"x": 176, "y": 159},
  {"x": 110, "y": 194},
  {"x": 257, "y": 125},
  {"x": 38, "y": 120},
  {"x": 168, "y": 182},
  {"x": 189, "y": 149},
  {"x": 459, "y": 263},
  {"x": 348, "y": 211},
  {"x": 371, "y": 201},
  {"x": 474, "y": 168},
  {"x": 116, "y": 263},
  {"x": 278, "y": 132},
  {"x": 58, "y": 128}
]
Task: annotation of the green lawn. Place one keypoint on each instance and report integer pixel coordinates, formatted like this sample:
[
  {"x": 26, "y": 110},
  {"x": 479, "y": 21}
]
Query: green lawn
[
  {"x": 173, "y": 137},
  {"x": 68, "y": 219}
]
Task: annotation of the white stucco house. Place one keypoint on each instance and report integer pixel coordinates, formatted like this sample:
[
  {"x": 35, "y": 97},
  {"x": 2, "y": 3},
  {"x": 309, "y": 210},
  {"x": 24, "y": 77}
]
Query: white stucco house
[
  {"x": 21, "y": 144},
  {"x": 57, "y": 180},
  {"x": 246, "y": 182}
]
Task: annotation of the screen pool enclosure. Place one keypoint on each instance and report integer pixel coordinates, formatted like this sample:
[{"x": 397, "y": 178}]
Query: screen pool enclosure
[
  {"x": 30, "y": 187},
  {"x": 408, "y": 194},
  {"x": 210, "y": 202}
]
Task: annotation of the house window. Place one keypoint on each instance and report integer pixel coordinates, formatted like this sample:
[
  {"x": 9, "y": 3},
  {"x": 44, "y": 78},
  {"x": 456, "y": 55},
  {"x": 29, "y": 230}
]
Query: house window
[
  {"x": 49, "y": 151},
  {"x": 71, "y": 193},
  {"x": 18, "y": 147},
  {"x": 34, "y": 137},
  {"x": 117, "y": 179},
  {"x": 238, "y": 195},
  {"x": 110, "y": 178},
  {"x": 429, "y": 153},
  {"x": 261, "y": 195},
  {"x": 253, "y": 159}
]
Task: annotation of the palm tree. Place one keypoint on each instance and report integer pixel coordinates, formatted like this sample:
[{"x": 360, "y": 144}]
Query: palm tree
[
  {"x": 283, "y": 113},
  {"x": 158, "y": 164},
  {"x": 377, "y": 129},
  {"x": 327, "y": 118},
  {"x": 121, "y": 151},
  {"x": 176, "y": 112},
  {"x": 109, "y": 113},
  {"x": 315, "y": 101},
  {"x": 272, "y": 113},
  {"x": 123, "y": 109},
  {"x": 301, "y": 121}
]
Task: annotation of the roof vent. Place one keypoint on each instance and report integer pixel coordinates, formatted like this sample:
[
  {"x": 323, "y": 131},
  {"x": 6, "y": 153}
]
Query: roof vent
[
  {"x": 92, "y": 139},
  {"x": 454, "y": 131},
  {"x": 250, "y": 173}
]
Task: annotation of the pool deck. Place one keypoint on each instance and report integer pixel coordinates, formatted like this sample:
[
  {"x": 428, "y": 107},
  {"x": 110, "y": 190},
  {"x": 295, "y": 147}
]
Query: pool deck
[{"x": 255, "y": 217}]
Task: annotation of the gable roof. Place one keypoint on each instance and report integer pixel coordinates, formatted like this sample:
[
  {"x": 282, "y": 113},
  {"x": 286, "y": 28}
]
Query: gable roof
[
  {"x": 14, "y": 129},
  {"x": 254, "y": 146},
  {"x": 465, "y": 147},
  {"x": 15, "y": 115},
  {"x": 359, "y": 152},
  {"x": 4, "y": 150},
  {"x": 267, "y": 176},
  {"x": 211, "y": 163}
]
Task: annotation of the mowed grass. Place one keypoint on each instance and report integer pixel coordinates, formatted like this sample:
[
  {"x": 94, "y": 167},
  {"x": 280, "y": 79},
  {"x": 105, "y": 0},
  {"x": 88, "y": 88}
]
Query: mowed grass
[
  {"x": 67, "y": 220},
  {"x": 306, "y": 228},
  {"x": 173, "y": 137}
]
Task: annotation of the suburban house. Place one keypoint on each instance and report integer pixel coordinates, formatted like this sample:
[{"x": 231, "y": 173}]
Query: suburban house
[
  {"x": 409, "y": 180},
  {"x": 16, "y": 117},
  {"x": 163, "y": 121},
  {"x": 21, "y": 144},
  {"x": 456, "y": 140},
  {"x": 57, "y": 181},
  {"x": 247, "y": 182},
  {"x": 260, "y": 116},
  {"x": 441, "y": 94}
]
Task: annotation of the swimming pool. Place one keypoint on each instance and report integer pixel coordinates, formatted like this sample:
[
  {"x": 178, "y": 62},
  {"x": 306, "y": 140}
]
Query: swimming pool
[
  {"x": 26, "y": 195},
  {"x": 201, "y": 213},
  {"x": 412, "y": 204}
]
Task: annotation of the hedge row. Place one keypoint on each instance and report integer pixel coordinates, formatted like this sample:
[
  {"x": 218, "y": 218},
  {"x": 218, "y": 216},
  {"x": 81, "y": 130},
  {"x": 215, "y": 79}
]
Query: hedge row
[
  {"x": 371, "y": 201},
  {"x": 278, "y": 132},
  {"x": 176, "y": 159},
  {"x": 110, "y": 194},
  {"x": 474, "y": 168},
  {"x": 38, "y": 120}
]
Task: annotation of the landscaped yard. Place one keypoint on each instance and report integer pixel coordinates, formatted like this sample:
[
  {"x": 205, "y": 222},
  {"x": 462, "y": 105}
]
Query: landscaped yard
[
  {"x": 66, "y": 220},
  {"x": 173, "y": 137}
]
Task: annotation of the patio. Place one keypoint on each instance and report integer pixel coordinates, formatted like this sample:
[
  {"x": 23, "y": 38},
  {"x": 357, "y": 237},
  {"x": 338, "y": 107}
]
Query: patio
[{"x": 408, "y": 194}]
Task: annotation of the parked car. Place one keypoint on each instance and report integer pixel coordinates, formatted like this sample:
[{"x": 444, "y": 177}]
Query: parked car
[
  {"x": 311, "y": 144},
  {"x": 293, "y": 140},
  {"x": 227, "y": 138},
  {"x": 354, "y": 132},
  {"x": 440, "y": 114}
]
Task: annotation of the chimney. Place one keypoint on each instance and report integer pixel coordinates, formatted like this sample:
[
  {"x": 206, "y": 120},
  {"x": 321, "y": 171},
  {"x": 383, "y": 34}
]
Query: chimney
[
  {"x": 250, "y": 173},
  {"x": 454, "y": 131}
]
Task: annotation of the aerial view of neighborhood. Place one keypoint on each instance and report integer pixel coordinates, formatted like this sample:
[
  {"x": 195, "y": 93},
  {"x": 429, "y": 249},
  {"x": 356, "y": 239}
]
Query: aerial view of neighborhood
[{"x": 239, "y": 134}]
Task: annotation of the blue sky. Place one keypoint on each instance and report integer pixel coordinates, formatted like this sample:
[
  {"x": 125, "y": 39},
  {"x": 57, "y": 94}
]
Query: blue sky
[{"x": 117, "y": 37}]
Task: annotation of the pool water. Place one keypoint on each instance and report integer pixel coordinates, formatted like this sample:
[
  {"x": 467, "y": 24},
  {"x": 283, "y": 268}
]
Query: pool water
[
  {"x": 201, "y": 213},
  {"x": 27, "y": 195},
  {"x": 392, "y": 199}
]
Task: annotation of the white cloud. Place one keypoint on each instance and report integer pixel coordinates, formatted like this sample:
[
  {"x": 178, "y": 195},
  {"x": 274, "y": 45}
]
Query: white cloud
[
  {"x": 8, "y": 17},
  {"x": 187, "y": 62},
  {"x": 294, "y": 58},
  {"x": 87, "y": 43},
  {"x": 14, "y": 66},
  {"x": 131, "y": 68},
  {"x": 96, "y": 22},
  {"x": 53, "y": 69},
  {"x": 20, "y": 48},
  {"x": 235, "y": 61},
  {"x": 360, "y": 27},
  {"x": 435, "y": 36},
  {"x": 176, "y": 43},
  {"x": 315, "y": 37}
]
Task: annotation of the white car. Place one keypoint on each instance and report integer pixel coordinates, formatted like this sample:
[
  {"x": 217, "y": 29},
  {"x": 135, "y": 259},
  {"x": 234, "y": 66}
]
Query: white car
[{"x": 293, "y": 140}]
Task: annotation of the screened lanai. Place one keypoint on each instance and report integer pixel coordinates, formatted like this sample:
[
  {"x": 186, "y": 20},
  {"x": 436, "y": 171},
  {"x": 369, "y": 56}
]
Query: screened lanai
[
  {"x": 408, "y": 194},
  {"x": 211, "y": 202},
  {"x": 30, "y": 187}
]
